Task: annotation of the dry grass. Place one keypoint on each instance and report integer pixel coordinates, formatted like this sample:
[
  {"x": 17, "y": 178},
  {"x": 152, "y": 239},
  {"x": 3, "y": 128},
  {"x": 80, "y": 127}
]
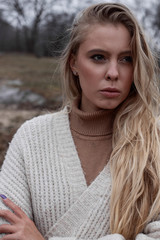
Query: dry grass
[{"x": 36, "y": 74}]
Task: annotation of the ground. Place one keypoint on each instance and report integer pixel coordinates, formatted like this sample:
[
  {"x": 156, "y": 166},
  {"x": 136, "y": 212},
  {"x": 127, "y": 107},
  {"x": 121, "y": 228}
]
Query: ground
[{"x": 35, "y": 75}]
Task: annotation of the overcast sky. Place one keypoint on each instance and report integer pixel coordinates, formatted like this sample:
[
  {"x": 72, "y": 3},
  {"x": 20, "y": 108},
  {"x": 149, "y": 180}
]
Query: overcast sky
[{"x": 80, "y": 4}]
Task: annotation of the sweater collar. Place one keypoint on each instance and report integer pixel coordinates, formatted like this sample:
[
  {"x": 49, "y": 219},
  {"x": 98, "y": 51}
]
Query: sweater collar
[{"x": 98, "y": 123}]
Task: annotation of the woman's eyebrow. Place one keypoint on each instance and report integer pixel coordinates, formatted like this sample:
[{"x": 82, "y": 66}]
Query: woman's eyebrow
[
  {"x": 97, "y": 50},
  {"x": 125, "y": 52}
]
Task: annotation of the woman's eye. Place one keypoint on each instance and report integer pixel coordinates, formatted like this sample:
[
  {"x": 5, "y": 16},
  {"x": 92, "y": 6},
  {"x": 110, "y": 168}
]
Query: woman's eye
[
  {"x": 127, "y": 59},
  {"x": 98, "y": 57}
]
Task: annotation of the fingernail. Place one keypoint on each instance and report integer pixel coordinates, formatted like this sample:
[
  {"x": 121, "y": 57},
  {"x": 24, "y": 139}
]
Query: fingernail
[{"x": 3, "y": 196}]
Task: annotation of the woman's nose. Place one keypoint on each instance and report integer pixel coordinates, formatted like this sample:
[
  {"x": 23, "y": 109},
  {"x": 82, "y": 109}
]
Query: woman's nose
[{"x": 112, "y": 72}]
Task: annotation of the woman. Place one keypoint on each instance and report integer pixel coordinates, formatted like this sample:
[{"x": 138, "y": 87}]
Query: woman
[{"x": 92, "y": 170}]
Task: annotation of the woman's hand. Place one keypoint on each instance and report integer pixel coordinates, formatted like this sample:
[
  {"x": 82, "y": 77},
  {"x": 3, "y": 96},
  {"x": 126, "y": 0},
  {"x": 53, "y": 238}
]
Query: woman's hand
[{"x": 20, "y": 227}]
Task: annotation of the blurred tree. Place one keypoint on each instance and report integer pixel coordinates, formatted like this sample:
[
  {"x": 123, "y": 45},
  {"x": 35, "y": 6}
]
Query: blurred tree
[
  {"x": 7, "y": 36},
  {"x": 156, "y": 24},
  {"x": 27, "y": 16},
  {"x": 156, "y": 21},
  {"x": 149, "y": 15},
  {"x": 54, "y": 31}
]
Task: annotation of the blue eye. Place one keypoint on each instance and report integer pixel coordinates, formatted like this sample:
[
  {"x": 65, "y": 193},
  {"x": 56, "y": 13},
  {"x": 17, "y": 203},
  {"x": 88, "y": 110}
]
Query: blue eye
[
  {"x": 127, "y": 59},
  {"x": 98, "y": 57}
]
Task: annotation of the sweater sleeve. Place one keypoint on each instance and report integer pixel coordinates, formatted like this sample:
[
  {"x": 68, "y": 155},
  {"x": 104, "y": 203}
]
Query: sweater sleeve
[
  {"x": 13, "y": 180},
  {"x": 151, "y": 232},
  {"x": 108, "y": 237}
]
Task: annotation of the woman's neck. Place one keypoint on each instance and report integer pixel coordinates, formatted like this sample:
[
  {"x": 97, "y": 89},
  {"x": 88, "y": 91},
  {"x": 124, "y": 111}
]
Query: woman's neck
[{"x": 97, "y": 123}]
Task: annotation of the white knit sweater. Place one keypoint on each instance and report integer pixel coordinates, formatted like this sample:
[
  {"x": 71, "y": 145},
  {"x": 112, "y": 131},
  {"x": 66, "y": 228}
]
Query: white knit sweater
[{"x": 43, "y": 175}]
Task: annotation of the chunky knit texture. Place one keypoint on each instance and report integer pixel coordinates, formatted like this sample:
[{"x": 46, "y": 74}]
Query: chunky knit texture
[{"x": 43, "y": 175}]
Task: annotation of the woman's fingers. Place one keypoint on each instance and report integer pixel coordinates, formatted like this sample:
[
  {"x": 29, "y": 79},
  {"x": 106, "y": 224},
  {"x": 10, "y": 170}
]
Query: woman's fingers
[
  {"x": 7, "y": 228},
  {"x": 21, "y": 226},
  {"x": 9, "y": 216},
  {"x": 17, "y": 210},
  {"x": 10, "y": 237}
]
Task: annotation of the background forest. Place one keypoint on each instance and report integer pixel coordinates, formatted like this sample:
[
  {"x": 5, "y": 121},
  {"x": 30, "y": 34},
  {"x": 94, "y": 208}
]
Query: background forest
[{"x": 39, "y": 26}]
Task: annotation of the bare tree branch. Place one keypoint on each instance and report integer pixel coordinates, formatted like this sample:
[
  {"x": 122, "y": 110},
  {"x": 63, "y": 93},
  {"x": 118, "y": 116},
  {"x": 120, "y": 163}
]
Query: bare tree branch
[{"x": 27, "y": 15}]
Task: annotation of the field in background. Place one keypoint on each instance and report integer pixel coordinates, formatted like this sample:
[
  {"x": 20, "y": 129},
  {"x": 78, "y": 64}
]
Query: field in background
[{"x": 39, "y": 75}]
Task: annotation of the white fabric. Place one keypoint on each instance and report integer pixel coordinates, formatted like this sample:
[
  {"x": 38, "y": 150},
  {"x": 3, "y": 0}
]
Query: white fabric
[{"x": 43, "y": 175}]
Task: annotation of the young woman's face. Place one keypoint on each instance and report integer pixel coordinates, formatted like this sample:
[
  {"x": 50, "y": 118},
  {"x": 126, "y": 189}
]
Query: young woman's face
[{"x": 104, "y": 66}]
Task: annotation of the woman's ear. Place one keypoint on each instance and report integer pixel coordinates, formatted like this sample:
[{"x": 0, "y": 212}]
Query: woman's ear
[{"x": 73, "y": 65}]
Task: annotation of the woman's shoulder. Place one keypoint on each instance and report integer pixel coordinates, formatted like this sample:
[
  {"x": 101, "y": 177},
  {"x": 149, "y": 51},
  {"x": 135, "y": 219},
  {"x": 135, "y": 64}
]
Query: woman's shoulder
[
  {"x": 46, "y": 117},
  {"x": 44, "y": 123},
  {"x": 39, "y": 132}
]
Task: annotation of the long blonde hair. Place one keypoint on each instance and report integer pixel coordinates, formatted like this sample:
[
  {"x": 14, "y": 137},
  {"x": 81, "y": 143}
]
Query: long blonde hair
[{"x": 135, "y": 159}]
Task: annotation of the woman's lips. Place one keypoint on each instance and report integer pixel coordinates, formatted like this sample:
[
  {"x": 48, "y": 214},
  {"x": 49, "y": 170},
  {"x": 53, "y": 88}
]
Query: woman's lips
[{"x": 110, "y": 92}]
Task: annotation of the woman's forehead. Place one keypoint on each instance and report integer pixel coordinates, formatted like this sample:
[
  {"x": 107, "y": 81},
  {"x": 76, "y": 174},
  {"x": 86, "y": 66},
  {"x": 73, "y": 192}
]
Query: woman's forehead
[{"x": 107, "y": 36}]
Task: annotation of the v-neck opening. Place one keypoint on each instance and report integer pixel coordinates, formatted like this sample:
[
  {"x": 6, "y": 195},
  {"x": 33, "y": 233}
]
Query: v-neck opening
[
  {"x": 72, "y": 163},
  {"x": 85, "y": 199}
]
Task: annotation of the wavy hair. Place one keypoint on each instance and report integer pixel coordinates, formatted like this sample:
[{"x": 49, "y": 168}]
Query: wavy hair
[{"x": 135, "y": 159}]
